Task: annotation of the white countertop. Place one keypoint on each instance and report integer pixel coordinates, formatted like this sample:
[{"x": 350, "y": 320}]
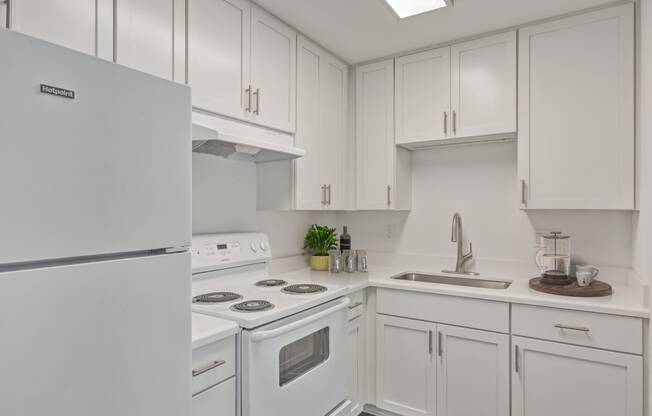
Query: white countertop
[
  {"x": 207, "y": 329},
  {"x": 627, "y": 300}
]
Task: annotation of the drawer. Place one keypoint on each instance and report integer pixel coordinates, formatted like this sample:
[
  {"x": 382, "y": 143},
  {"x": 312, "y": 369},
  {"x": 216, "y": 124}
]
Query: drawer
[
  {"x": 610, "y": 332},
  {"x": 212, "y": 364},
  {"x": 473, "y": 313},
  {"x": 356, "y": 307},
  {"x": 218, "y": 400}
]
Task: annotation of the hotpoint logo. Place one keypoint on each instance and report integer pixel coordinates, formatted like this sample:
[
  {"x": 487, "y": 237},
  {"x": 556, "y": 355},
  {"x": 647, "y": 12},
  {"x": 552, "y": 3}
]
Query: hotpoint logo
[{"x": 59, "y": 92}]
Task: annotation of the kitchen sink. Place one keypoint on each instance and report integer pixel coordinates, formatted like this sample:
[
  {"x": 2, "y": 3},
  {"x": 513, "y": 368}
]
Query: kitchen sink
[{"x": 452, "y": 280}]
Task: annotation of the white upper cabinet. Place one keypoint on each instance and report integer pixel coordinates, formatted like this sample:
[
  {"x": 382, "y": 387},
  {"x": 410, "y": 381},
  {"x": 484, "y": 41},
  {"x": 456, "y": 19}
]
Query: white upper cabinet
[
  {"x": 310, "y": 189},
  {"x": 145, "y": 35},
  {"x": 334, "y": 104},
  {"x": 458, "y": 93},
  {"x": 423, "y": 96},
  {"x": 84, "y": 25},
  {"x": 576, "y": 112},
  {"x": 383, "y": 171},
  {"x": 321, "y": 129},
  {"x": 242, "y": 63},
  {"x": 405, "y": 366},
  {"x": 483, "y": 86},
  {"x": 218, "y": 56},
  {"x": 273, "y": 71},
  {"x": 550, "y": 378},
  {"x": 472, "y": 372},
  {"x": 322, "y": 82}
]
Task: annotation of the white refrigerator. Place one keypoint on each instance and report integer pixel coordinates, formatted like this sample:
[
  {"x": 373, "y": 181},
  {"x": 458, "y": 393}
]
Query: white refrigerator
[{"x": 95, "y": 221}]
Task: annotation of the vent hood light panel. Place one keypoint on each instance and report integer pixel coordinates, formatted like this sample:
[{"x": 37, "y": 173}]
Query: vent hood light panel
[
  {"x": 230, "y": 139},
  {"x": 407, "y": 8}
]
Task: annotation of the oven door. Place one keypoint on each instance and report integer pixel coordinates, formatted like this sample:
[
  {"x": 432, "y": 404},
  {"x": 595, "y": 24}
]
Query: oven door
[{"x": 297, "y": 366}]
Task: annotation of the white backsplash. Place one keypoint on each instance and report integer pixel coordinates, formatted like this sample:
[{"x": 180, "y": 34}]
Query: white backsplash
[{"x": 479, "y": 181}]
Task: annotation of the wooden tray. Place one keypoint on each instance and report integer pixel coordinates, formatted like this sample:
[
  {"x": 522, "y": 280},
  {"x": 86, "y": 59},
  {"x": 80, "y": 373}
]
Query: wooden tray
[{"x": 595, "y": 289}]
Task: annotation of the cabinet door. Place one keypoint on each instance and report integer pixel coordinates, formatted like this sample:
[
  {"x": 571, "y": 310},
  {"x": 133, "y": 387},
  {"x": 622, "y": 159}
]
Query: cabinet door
[
  {"x": 423, "y": 96},
  {"x": 144, "y": 35},
  {"x": 576, "y": 112},
  {"x": 483, "y": 86},
  {"x": 83, "y": 25},
  {"x": 218, "y": 55},
  {"x": 375, "y": 153},
  {"x": 550, "y": 378},
  {"x": 356, "y": 365},
  {"x": 333, "y": 143},
  {"x": 405, "y": 366},
  {"x": 273, "y": 71},
  {"x": 218, "y": 400},
  {"x": 309, "y": 187},
  {"x": 472, "y": 372}
]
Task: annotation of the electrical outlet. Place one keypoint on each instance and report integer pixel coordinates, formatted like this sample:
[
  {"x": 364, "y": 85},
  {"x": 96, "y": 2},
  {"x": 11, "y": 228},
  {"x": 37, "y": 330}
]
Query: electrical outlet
[{"x": 389, "y": 231}]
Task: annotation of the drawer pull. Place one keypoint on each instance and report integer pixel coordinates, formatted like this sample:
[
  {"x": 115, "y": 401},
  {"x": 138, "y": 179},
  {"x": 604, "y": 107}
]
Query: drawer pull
[
  {"x": 355, "y": 305},
  {"x": 572, "y": 328},
  {"x": 209, "y": 367}
]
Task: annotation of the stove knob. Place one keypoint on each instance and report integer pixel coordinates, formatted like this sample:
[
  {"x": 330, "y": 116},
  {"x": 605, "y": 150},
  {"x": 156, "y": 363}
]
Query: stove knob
[
  {"x": 263, "y": 246},
  {"x": 253, "y": 247}
]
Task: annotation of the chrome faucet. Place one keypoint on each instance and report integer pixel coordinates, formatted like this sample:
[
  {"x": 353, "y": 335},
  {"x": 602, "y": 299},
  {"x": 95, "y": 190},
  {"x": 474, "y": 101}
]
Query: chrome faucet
[{"x": 457, "y": 237}]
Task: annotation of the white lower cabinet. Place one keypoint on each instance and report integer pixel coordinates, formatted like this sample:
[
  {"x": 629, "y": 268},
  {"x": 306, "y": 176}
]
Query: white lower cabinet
[
  {"x": 217, "y": 400},
  {"x": 356, "y": 365},
  {"x": 425, "y": 368},
  {"x": 550, "y": 378},
  {"x": 405, "y": 366},
  {"x": 472, "y": 372}
]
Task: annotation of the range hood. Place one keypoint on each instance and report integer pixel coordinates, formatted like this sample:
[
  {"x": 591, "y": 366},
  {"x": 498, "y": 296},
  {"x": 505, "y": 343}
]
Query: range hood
[{"x": 228, "y": 138}]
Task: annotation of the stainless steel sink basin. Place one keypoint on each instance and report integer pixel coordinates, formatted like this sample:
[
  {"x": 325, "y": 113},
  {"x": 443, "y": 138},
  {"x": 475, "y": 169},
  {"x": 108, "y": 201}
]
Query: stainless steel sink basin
[{"x": 452, "y": 280}]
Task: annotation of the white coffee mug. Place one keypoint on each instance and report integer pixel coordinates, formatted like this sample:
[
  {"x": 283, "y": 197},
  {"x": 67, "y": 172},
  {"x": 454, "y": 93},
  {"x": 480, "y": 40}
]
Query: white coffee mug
[{"x": 586, "y": 274}]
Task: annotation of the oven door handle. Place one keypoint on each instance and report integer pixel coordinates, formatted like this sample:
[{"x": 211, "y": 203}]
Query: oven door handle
[{"x": 272, "y": 333}]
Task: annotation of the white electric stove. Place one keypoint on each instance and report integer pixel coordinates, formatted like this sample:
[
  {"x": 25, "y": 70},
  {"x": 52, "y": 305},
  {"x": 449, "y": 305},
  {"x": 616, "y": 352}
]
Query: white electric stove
[{"x": 293, "y": 342}]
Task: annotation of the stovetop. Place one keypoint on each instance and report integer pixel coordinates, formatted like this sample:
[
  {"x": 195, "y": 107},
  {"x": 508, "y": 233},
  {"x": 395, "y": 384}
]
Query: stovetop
[
  {"x": 244, "y": 284},
  {"x": 231, "y": 280}
]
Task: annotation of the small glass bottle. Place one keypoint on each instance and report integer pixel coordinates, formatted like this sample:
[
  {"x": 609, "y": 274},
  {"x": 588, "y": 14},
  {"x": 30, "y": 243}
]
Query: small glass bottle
[
  {"x": 345, "y": 240},
  {"x": 335, "y": 261}
]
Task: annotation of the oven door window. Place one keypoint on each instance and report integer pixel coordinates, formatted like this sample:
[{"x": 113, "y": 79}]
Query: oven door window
[{"x": 304, "y": 354}]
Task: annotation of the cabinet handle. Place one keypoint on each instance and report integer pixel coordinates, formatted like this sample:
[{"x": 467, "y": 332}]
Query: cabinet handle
[
  {"x": 430, "y": 341},
  {"x": 572, "y": 328},
  {"x": 454, "y": 122},
  {"x": 248, "y": 91},
  {"x": 8, "y": 11},
  {"x": 323, "y": 194},
  {"x": 209, "y": 367},
  {"x": 445, "y": 123},
  {"x": 517, "y": 364},
  {"x": 440, "y": 344},
  {"x": 329, "y": 193},
  {"x": 389, "y": 195},
  {"x": 355, "y": 305},
  {"x": 523, "y": 192},
  {"x": 257, "y": 94}
]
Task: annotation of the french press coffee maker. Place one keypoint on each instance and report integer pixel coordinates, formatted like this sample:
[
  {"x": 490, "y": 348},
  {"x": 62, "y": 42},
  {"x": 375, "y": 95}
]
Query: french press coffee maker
[{"x": 553, "y": 258}]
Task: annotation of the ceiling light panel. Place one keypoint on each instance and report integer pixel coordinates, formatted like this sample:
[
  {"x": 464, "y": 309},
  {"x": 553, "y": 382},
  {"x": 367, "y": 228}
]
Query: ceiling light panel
[{"x": 407, "y": 8}]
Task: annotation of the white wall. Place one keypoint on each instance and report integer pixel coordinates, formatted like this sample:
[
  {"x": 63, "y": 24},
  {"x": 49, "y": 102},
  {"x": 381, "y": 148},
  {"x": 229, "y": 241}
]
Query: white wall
[
  {"x": 224, "y": 200},
  {"x": 642, "y": 224},
  {"x": 479, "y": 181}
]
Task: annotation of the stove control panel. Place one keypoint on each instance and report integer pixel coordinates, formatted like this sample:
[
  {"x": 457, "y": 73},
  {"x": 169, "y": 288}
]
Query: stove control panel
[{"x": 221, "y": 251}]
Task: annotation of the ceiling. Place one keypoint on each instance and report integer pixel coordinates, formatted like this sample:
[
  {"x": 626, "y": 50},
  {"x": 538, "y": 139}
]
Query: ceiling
[{"x": 362, "y": 30}]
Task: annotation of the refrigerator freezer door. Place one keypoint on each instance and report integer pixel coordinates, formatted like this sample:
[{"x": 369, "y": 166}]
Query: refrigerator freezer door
[
  {"x": 104, "y": 339},
  {"x": 107, "y": 171}
]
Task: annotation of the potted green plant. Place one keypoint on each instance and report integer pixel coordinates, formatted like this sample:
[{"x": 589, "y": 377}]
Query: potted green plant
[{"x": 319, "y": 240}]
